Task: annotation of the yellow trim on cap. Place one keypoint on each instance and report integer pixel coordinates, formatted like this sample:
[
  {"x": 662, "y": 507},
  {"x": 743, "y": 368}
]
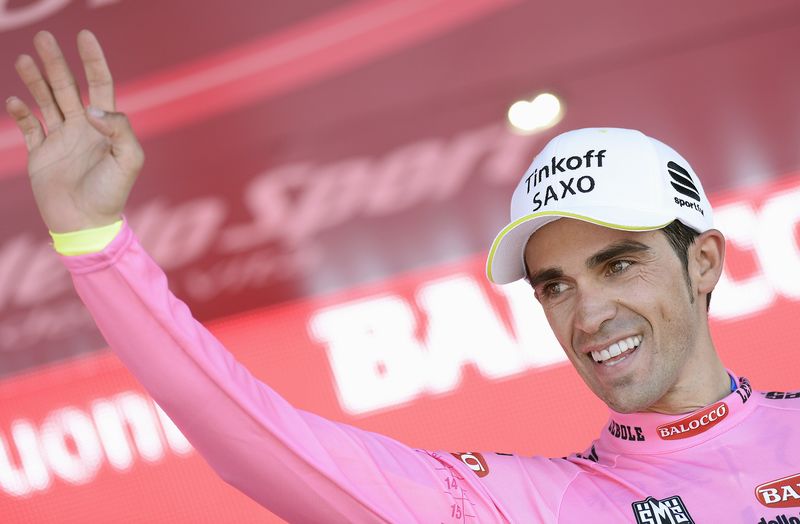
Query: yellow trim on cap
[
  {"x": 561, "y": 214},
  {"x": 85, "y": 241}
]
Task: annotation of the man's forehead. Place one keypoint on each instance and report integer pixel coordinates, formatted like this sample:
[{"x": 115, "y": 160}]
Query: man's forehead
[{"x": 571, "y": 241}]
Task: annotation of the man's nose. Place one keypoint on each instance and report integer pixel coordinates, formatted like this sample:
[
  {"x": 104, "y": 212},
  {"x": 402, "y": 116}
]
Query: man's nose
[{"x": 593, "y": 308}]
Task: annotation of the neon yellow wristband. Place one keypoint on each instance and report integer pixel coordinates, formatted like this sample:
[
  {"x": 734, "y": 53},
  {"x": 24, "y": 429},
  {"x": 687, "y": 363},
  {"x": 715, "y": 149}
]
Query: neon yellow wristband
[{"x": 85, "y": 241}]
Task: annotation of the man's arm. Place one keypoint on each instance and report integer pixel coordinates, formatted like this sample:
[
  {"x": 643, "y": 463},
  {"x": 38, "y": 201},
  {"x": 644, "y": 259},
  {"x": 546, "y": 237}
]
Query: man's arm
[{"x": 301, "y": 466}]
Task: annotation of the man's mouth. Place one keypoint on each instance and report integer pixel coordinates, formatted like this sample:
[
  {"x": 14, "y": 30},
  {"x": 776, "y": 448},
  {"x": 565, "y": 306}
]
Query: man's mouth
[{"x": 617, "y": 352}]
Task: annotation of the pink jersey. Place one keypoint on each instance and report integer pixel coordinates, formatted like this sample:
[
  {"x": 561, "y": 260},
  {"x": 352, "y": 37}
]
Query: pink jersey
[{"x": 733, "y": 461}]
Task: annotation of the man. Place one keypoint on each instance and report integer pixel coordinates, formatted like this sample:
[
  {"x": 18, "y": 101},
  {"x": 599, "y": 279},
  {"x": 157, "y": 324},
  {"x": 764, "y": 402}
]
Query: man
[{"x": 613, "y": 231}]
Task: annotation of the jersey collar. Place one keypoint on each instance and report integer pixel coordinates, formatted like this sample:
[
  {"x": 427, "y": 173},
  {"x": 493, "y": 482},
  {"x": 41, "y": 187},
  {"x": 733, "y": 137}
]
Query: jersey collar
[{"x": 634, "y": 433}]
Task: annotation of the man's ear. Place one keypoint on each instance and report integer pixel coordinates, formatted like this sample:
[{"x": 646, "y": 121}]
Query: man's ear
[{"x": 706, "y": 257}]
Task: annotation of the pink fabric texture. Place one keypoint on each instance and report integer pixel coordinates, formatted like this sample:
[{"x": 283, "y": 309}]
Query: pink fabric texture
[{"x": 734, "y": 461}]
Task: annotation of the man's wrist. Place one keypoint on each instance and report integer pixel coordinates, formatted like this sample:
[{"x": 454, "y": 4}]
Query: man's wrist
[{"x": 85, "y": 241}]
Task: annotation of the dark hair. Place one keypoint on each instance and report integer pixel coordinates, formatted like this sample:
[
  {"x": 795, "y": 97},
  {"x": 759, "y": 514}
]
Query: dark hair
[{"x": 680, "y": 237}]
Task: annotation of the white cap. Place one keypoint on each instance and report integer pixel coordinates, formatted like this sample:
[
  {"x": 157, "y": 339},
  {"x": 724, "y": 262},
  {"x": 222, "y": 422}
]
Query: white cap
[{"x": 617, "y": 178}]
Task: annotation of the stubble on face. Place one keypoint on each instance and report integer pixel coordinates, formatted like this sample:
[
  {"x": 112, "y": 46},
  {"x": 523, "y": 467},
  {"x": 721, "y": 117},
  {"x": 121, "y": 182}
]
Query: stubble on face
[{"x": 649, "y": 298}]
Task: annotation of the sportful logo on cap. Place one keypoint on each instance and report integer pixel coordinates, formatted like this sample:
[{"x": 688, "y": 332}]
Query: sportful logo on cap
[{"x": 682, "y": 183}]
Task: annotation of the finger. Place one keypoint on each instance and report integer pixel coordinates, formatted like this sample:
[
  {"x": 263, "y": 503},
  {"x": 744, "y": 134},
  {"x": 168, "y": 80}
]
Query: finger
[
  {"x": 124, "y": 146},
  {"x": 26, "y": 122},
  {"x": 40, "y": 89},
  {"x": 59, "y": 76},
  {"x": 101, "y": 85}
]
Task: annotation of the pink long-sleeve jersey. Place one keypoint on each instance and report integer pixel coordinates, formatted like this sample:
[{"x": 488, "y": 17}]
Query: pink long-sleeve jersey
[{"x": 737, "y": 460}]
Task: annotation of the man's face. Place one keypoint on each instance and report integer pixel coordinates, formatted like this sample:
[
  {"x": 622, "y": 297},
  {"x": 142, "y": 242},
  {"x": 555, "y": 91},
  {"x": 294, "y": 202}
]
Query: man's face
[{"x": 607, "y": 292}]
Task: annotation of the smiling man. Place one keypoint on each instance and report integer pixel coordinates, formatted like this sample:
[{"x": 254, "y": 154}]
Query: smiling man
[
  {"x": 614, "y": 232},
  {"x": 626, "y": 274},
  {"x": 624, "y": 268},
  {"x": 637, "y": 336}
]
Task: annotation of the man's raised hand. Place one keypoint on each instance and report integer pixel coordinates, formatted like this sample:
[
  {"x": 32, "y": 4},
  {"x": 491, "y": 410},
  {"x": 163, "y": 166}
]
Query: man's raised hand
[{"x": 83, "y": 166}]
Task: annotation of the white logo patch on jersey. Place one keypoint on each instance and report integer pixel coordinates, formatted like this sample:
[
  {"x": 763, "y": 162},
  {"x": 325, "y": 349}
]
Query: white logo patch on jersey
[{"x": 668, "y": 511}]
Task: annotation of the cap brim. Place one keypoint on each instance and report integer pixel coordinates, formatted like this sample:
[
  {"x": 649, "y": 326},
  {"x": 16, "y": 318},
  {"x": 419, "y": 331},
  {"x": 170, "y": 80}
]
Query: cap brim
[{"x": 505, "y": 261}]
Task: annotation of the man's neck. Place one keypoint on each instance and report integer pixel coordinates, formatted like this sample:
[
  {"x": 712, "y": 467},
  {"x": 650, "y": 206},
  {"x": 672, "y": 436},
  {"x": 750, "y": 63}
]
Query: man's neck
[{"x": 703, "y": 381}]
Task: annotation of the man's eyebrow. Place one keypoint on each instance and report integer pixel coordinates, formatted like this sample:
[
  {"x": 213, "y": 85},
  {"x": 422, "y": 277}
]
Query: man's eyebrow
[
  {"x": 623, "y": 247},
  {"x": 544, "y": 275}
]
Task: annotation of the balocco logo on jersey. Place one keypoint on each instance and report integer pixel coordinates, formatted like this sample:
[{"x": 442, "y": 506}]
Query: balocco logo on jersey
[
  {"x": 474, "y": 461},
  {"x": 695, "y": 423},
  {"x": 781, "y": 493}
]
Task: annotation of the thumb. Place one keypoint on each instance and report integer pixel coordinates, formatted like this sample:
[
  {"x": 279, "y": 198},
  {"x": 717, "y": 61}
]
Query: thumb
[{"x": 117, "y": 128}]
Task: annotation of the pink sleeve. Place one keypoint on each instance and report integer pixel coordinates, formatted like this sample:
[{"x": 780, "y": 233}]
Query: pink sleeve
[{"x": 300, "y": 466}]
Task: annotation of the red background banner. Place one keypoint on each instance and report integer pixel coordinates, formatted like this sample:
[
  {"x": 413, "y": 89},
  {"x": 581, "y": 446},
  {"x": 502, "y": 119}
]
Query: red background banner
[
  {"x": 437, "y": 358},
  {"x": 301, "y": 148},
  {"x": 324, "y": 175}
]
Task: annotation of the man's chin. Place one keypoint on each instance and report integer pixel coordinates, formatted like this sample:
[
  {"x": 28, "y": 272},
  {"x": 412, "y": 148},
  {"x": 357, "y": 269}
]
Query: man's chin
[
  {"x": 627, "y": 399},
  {"x": 626, "y": 407},
  {"x": 628, "y": 392}
]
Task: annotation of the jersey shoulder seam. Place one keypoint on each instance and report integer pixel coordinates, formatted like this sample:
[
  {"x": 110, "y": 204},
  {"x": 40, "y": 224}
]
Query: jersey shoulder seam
[
  {"x": 564, "y": 493},
  {"x": 578, "y": 473}
]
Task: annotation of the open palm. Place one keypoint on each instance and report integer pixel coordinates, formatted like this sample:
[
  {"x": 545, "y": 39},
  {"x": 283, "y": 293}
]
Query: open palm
[{"x": 83, "y": 168}]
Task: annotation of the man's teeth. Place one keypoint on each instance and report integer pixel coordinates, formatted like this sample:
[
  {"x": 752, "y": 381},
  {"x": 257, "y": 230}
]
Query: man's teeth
[{"x": 616, "y": 349}]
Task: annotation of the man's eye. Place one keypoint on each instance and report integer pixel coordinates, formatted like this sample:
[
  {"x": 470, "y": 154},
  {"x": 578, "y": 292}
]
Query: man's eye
[
  {"x": 553, "y": 289},
  {"x": 618, "y": 266}
]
